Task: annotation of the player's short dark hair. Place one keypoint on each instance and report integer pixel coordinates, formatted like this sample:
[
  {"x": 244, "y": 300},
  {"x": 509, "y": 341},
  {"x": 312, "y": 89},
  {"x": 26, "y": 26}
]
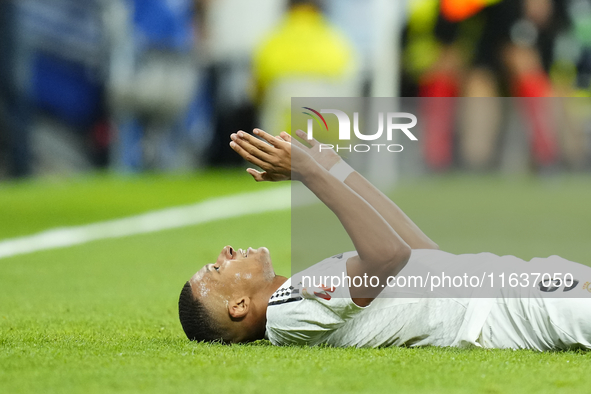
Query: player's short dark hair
[{"x": 195, "y": 318}]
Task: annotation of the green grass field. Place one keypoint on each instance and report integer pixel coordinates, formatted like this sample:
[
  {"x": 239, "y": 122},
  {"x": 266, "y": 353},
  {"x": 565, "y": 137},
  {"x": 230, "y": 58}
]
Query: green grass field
[{"x": 102, "y": 317}]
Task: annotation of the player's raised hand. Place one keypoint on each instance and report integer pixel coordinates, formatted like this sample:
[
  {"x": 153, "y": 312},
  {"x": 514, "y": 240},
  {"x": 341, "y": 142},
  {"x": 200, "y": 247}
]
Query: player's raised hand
[
  {"x": 327, "y": 158},
  {"x": 272, "y": 154}
]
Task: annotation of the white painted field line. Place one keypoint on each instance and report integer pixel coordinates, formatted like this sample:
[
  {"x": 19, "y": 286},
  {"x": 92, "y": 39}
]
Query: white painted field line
[{"x": 269, "y": 200}]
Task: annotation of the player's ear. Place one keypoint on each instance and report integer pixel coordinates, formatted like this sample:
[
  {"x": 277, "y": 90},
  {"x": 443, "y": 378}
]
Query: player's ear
[{"x": 238, "y": 307}]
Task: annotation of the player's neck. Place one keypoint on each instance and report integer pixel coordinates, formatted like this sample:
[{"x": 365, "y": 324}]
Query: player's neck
[
  {"x": 257, "y": 326},
  {"x": 274, "y": 285}
]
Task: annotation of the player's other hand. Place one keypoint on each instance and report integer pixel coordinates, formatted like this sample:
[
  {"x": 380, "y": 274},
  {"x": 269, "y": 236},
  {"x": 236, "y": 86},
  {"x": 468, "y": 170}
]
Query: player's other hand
[
  {"x": 327, "y": 158},
  {"x": 272, "y": 154}
]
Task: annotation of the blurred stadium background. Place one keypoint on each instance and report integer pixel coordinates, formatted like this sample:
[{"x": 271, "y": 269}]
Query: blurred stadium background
[{"x": 158, "y": 85}]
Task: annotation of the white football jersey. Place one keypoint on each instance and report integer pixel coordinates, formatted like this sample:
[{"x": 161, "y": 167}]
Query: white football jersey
[{"x": 308, "y": 313}]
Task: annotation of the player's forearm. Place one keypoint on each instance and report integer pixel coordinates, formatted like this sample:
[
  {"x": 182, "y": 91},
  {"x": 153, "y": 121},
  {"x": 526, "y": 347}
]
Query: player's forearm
[
  {"x": 395, "y": 217},
  {"x": 375, "y": 240},
  {"x": 401, "y": 223}
]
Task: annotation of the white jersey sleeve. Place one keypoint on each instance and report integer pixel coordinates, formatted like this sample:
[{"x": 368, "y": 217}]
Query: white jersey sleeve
[{"x": 307, "y": 312}]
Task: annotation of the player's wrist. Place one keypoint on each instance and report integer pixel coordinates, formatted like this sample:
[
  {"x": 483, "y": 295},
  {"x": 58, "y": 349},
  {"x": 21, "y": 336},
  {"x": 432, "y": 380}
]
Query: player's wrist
[
  {"x": 341, "y": 170},
  {"x": 305, "y": 171},
  {"x": 329, "y": 162}
]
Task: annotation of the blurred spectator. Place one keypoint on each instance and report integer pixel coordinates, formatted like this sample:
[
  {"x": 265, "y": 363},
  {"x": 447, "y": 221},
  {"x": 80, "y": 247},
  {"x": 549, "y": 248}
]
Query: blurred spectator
[
  {"x": 153, "y": 85},
  {"x": 231, "y": 31},
  {"x": 72, "y": 70},
  {"x": 485, "y": 48},
  {"x": 52, "y": 81},
  {"x": 304, "y": 56}
]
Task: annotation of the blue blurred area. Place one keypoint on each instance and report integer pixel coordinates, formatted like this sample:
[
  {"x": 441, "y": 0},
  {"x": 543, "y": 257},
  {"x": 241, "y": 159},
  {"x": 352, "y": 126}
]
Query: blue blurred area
[
  {"x": 59, "y": 59},
  {"x": 70, "y": 86},
  {"x": 66, "y": 89},
  {"x": 166, "y": 24}
]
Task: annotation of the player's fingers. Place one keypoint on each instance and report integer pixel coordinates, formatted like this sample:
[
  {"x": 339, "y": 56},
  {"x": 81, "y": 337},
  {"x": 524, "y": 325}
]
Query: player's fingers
[
  {"x": 276, "y": 142},
  {"x": 246, "y": 155},
  {"x": 257, "y": 175},
  {"x": 262, "y": 145},
  {"x": 303, "y": 135},
  {"x": 285, "y": 136},
  {"x": 251, "y": 148},
  {"x": 299, "y": 144}
]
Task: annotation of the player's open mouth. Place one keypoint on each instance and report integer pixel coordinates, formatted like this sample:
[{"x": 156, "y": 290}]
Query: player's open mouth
[{"x": 243, "y": 252}]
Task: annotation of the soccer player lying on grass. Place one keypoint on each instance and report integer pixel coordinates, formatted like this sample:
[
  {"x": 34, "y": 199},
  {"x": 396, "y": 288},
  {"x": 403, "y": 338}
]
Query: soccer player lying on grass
[{"x": 238, "y": 298}]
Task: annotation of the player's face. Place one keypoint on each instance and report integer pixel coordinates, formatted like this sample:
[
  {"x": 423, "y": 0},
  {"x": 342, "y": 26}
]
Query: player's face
[{"x": 234, "y": 271}]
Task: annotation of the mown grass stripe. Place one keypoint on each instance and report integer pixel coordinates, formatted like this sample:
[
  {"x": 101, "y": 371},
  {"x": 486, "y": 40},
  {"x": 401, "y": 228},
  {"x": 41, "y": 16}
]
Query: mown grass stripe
[{"x": 189, "y": 215}]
